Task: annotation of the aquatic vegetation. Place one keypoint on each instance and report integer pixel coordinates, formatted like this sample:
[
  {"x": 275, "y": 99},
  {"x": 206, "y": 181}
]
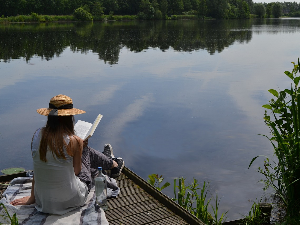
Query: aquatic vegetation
[
  {"x": 283, "y": 118},
  {"x": 196, "y": 203},
  {"x": 156, "y": 180},
  {"x": 12, "y": 170},
  {"x": 187, "y": 196}
]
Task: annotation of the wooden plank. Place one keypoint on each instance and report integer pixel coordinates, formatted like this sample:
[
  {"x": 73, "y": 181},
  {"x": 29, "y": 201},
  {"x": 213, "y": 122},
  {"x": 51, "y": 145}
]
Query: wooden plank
[
  {"x": 147, "y": 217},
  {"x": 160, "y": 197},
  {"x": 112, "y": 214},
  {"x": 170, "y": 220}
]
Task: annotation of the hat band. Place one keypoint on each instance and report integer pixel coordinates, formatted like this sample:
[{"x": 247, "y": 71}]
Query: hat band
[
  {"x": 54, "y": 112},
  {"x": 67, "y": 106}
]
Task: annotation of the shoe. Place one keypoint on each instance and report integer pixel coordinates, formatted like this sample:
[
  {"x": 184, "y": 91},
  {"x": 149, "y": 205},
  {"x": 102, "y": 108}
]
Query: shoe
[
  {"x": 108, "y": 151},
  {"x": 115, "y": 172}
]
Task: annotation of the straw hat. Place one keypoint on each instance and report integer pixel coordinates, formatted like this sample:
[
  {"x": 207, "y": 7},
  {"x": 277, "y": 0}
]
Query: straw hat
[{"x": 60, "y": 105}]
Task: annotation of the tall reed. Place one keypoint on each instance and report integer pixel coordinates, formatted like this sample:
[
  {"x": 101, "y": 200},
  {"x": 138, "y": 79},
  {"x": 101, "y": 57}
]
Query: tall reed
[
  {"x": 189, "y": 198},
  {"x": 197, "y": 203},
  {"x": 283, "y": 118}
]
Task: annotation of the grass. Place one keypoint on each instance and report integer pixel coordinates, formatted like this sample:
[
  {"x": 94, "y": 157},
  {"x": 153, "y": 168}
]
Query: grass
[
  {"x": 12, "y": 219},
  {"x": 36, "y": 18},
  {"x": 192, "y": 198}
]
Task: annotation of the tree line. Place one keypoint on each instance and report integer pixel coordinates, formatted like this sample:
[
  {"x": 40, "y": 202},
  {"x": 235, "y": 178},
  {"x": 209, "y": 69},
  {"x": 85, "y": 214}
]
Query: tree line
[
  {"x": 277, "y": 9},
  {"x": 151, "y": 9}
]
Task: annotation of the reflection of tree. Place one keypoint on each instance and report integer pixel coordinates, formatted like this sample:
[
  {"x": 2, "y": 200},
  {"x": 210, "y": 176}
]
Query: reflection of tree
[
  {"x": 28, "y": 40},
  {"x": 107, "y": 39}
]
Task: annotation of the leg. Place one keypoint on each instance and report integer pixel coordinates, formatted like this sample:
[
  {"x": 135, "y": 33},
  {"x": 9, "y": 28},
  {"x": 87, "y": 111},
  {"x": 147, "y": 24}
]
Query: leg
[
  {"x": 85, "y": 174},
  {"x": 99, "y": 159}
]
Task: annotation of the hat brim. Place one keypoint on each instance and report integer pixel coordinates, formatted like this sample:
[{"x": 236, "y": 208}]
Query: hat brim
[{"x": 60, "y": 112}]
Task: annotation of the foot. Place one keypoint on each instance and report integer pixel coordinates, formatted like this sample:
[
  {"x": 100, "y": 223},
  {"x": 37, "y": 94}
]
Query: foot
[
  {"x": 115, "y": 172},
  {"x": 108, "y": 151}
]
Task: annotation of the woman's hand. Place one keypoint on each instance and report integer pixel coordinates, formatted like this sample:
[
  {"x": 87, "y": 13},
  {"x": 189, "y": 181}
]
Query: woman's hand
[{"x": 28, "y": 200}]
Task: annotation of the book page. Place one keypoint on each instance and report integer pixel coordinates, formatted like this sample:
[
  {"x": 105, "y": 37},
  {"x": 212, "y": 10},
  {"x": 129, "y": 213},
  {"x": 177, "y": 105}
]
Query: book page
[
  {"x": 93, "y": 127},
  {"x": 82, "y": 128}
]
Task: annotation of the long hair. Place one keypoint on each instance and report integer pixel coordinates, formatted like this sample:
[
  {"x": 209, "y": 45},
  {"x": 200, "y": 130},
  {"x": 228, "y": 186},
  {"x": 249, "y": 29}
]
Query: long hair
[{"x": 53, "y": 136}]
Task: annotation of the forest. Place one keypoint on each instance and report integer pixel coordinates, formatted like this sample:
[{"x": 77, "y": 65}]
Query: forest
[{"x": 153, "y": 9}]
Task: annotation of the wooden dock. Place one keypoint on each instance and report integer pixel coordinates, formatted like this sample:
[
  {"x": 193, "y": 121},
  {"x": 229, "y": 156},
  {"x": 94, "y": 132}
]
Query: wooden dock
[{"x": 138, "y": 203}]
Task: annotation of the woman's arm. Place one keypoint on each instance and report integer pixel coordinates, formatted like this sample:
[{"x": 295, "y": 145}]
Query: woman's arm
[
  {"x": 75, "y": 146},
  {"x": 28, "y": 200}
]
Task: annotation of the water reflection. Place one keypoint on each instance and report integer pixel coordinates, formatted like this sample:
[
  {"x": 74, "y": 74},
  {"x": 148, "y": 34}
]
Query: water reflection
[{"x": 107, "y": 39}]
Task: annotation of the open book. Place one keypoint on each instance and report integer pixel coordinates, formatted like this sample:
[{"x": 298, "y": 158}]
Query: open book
[{"x": 85, "y": 130}]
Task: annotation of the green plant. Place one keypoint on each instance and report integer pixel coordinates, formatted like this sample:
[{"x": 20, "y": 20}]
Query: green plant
[
  {"x": 197, "y": 204},
  {"x": 111, "y": 16},
  {"x": 284, "y": 123},
  {"x": 82, "y": 14},
  {"x": 218, "y": 221},
  {"x": 35, "y": 17},
  {"x": 156, "y": 181},
  {"x": 97, "y": 11},
  {"x": 254, "y": 216},
  {"x": 13, "y": 219}
]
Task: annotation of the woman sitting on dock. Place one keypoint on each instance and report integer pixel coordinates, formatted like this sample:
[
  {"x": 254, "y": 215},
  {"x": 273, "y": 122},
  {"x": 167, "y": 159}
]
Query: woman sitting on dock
[{"x": 64, "y": 165}]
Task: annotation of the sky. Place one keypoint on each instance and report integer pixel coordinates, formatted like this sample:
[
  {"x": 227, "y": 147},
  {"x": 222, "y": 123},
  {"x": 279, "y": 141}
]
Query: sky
[{"x": 268, "y": 1}]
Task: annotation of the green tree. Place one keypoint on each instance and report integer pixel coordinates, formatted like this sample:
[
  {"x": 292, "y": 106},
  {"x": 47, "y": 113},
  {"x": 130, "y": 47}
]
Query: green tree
[
  {"x": 187, "y": 5},
  {"x": 97, "y": 10},
  {"x": 164, "y": 8},
  {"x": 260, "y": 10},
  {"x": 146, "y": 10},
  {"x": 269, "y": 9},
  {"x": 202, "y": 9},
  {"x": 243, "y": 10},
  {"x": 195, "y": 4},
  {"x": 109, "y": 6},
  {"x": 277, "y": 10},
  {"x": 232, "y": 11},
  {"x": 123, "y": 7},
  {"x": 134, "y": 6},
  {"x": 82, "y": 14},
  {"x": 217, "y": 8},
  {"x": 155, "y": 4},
  {"x": 176, "y": 6},
  {"x": 251, "y": 5}
]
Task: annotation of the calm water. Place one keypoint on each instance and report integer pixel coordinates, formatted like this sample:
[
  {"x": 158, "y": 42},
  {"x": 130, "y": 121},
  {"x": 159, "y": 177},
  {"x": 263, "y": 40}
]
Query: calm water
[{"x": 179, "y": 98}]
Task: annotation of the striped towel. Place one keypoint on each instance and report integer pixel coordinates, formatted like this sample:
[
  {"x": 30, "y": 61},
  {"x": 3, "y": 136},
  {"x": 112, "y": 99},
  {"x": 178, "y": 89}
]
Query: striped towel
[{"x": 28, "y": 215}]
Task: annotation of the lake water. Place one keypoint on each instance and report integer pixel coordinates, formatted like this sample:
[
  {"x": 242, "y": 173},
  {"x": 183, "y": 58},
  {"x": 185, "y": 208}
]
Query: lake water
[{"x": 179, "y": 98}]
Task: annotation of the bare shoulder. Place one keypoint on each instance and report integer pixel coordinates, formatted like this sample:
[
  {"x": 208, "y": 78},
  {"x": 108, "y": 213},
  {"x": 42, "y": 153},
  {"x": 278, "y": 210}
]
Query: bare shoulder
[
  {"x": 75, "y": 145},
  {"x": 76, "y": 141}
]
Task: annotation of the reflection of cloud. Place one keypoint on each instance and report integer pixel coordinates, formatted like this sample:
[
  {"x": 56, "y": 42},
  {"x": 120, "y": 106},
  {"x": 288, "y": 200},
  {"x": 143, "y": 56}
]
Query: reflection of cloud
[
  {"x": 68, "y": 65},
  {"x": 131, "y": 113},
  {"x": 103, "y": 96},
  {"x": 173, "y": 65}
]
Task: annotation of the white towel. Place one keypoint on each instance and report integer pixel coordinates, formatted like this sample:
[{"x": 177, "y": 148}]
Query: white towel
[{"x": 28, "y": 215}]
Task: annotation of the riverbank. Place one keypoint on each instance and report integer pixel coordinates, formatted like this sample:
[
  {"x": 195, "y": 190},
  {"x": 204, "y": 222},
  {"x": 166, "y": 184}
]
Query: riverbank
[{"x": 35, "y": 18}]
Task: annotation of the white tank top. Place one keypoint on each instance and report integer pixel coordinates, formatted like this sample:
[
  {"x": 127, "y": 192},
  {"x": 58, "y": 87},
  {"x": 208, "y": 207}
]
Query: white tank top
[{"x": 57, "y": 190}]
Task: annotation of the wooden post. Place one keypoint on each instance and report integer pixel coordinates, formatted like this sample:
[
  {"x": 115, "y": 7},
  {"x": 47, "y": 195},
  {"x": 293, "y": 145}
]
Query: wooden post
[{"x": 265, "y": 209}]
